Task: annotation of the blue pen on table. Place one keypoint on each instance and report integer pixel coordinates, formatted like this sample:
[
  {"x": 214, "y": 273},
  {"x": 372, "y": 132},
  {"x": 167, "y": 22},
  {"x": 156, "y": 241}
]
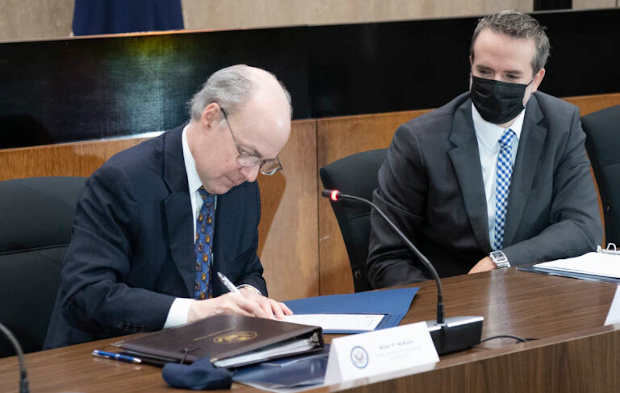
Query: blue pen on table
[
  {"x": 229, "y": 285},
  {"x": 116, "y": 356}
]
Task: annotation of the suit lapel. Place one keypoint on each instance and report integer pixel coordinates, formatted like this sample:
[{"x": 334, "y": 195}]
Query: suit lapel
[
  {"x": 177, "y": 207},
  {"x": 466, "y": 162},
  {"x": 530, "y": 149}
]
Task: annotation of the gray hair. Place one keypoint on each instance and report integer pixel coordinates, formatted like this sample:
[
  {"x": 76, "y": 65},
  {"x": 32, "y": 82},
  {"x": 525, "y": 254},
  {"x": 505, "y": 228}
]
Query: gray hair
[
  {"x": 230, "y": 87},
  {"x": 518, "y": 25}
]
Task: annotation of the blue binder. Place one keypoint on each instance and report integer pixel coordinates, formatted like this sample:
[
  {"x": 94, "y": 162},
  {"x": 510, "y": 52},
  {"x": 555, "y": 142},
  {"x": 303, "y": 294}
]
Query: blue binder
[{"x": 394, "y": 303}]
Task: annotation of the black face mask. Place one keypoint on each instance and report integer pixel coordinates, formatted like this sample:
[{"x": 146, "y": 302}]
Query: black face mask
[{"x": 497, "y": 102}]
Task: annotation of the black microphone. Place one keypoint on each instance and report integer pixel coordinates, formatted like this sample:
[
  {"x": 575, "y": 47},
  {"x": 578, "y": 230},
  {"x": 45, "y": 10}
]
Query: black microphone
[
  {"x": 448, "y": 334},
  {"x": 23, "y": 377}
]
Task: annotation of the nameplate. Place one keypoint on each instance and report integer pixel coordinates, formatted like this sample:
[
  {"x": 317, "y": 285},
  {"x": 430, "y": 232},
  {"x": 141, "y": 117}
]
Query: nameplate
[
  {"x": 613, "y": 316},
  {"x": 368, "y": 354}
]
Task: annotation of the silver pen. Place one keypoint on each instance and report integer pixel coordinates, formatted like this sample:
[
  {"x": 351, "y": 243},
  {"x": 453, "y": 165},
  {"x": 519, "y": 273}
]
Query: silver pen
[{"x": 229, "y": 285}]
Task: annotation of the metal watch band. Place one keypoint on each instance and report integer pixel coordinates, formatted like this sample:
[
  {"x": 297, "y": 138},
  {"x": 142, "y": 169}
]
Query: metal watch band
[{"x": 500, "y": 259}]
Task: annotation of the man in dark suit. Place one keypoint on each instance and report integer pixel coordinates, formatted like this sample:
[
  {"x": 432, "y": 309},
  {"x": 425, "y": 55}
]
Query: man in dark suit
[
  {"x": 158, "y": 221},
  {"x": 495, "y": 178}
]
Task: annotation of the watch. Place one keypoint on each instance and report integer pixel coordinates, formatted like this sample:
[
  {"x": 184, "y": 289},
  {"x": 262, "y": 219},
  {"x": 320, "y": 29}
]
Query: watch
[{"x": 500, "y": 259}]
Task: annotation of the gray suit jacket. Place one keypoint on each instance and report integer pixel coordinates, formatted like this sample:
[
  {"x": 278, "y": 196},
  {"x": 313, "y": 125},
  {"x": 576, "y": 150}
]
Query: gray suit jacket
[{"x": 431, "y": 186}]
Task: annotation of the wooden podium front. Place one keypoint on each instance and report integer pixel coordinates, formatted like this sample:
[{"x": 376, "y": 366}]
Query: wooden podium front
[{"x": 571, "y": 352}]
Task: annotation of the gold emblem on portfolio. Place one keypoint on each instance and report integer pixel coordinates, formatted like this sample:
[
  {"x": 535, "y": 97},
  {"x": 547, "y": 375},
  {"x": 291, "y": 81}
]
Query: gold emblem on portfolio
[{"x": 235, "y": 337}]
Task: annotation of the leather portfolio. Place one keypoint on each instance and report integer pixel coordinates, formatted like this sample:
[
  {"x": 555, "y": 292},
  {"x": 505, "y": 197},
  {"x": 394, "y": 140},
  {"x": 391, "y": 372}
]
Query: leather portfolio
[{"x": 228, "y": 340}]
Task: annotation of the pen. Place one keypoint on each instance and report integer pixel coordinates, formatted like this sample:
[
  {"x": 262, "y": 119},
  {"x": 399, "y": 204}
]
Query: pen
[
  {"x": 116, "y": 356},
  {"x": 229, "y": 285}
]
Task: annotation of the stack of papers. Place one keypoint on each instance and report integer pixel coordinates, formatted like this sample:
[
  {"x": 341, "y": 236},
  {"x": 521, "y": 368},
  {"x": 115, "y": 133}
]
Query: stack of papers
[{"x": 593, "y": 265}]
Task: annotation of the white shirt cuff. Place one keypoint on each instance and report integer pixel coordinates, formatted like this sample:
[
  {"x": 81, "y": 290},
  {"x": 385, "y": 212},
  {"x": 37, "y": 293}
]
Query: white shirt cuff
[{"x": 177, "y": 315}]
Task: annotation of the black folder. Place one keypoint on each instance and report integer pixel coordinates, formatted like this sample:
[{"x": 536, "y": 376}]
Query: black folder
[{"x": 228, "y": 340}]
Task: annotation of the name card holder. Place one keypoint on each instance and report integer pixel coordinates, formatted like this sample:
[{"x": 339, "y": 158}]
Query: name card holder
[
  {"x": 613, "y": 316},
  {"x": 368, "y": 354}
]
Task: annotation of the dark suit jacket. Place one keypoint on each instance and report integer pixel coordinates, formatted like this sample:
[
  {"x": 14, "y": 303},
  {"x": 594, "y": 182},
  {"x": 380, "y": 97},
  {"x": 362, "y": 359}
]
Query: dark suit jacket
[
  {"x": 431, "y": 186},
  {"x": 132, "y": 248}
]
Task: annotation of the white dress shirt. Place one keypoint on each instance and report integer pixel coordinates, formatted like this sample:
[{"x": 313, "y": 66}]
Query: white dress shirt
[
  {"x": 488, "y": 136},
  {"x": 177, "y": 315}
]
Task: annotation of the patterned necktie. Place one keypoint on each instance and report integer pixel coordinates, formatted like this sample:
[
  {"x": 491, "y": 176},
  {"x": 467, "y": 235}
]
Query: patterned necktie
[
  {"x": 502, "y": 186},
  {"x": 203, "y": 246}
]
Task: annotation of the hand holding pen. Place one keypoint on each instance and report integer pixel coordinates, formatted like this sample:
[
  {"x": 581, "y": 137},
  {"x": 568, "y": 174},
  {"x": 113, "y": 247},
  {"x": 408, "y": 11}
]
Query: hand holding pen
[
  {"x": 246, "y": 301},
  {"x": 229, "y": 285}
]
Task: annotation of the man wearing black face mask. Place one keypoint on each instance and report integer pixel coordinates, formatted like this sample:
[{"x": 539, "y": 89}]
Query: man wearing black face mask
[{"x": 495, "y": 178}]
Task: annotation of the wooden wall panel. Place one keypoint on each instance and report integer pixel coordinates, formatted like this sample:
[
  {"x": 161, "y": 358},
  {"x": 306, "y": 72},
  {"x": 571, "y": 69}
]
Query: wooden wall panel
[
  {"x": 66, "y": 159},
  {"x": 288, "y": 229},
  {"x": 593, "y": 103},
  {"x": 338, "y": 138}
]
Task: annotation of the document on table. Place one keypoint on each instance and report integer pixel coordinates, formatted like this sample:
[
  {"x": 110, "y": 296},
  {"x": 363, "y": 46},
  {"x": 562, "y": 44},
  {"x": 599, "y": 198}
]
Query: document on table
[
  {"x": 348, "y": 322},
  {"x": 392, "y": 304},
  {"x": 592, "y": 263}
]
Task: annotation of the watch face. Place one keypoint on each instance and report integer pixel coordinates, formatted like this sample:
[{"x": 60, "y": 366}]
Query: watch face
[
  {"x": 497, "y": 254},
  {"x": 499, "y": 258}
]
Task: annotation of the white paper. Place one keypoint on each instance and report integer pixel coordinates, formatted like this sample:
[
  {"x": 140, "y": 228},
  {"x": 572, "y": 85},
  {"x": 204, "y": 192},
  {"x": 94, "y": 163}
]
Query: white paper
[
  {"x": 595, "y": 263},
  {"x": 354, "y": 322},
  {"x": 613, "y": 316},
  {"x": 381, "y": 351}
]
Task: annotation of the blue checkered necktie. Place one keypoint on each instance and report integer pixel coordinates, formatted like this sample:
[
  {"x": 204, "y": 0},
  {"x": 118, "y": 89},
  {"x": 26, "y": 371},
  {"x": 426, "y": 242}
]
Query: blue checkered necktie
[
  {"x": 203, "y": 246},
  {"x": 502, "y": 186}
]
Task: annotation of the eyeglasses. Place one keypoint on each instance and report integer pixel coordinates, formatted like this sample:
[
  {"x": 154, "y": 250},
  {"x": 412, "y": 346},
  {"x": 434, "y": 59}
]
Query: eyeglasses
[{"x": 246, "y": 159}]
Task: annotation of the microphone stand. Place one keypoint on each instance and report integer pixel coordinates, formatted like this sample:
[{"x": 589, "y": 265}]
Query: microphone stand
[
  {"x": 23, "y": 377},
  {"x": 448, "y": 334}
]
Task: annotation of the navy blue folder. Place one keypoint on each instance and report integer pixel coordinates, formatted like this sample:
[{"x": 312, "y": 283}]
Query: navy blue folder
[
  {"x": 288, "y": 373},
  {"x": 394, "y": 303}
]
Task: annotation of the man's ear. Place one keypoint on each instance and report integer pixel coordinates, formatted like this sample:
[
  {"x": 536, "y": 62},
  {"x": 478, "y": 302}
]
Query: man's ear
[
  {"x": 210, "y": 116},
  {"x": 537, "y": 80}
]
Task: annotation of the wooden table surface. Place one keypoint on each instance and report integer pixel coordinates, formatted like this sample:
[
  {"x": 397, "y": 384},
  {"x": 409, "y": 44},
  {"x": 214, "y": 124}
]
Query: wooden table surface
[{"x": 573, "y": 350}]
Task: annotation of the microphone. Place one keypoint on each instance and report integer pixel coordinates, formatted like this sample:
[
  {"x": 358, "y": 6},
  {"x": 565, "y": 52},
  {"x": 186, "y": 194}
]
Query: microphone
[
  {"x": 448, "y": 334},
  {"x": 23, "y": 377}
]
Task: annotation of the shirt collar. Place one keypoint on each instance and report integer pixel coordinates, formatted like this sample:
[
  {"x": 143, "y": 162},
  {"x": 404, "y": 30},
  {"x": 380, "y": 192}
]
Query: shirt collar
[
  {"x": 489, "y": 133},
  {"x": 193, "y": 180}
]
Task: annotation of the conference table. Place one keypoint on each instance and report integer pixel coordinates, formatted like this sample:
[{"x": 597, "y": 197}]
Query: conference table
[{"x": 570, "y": 350}]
